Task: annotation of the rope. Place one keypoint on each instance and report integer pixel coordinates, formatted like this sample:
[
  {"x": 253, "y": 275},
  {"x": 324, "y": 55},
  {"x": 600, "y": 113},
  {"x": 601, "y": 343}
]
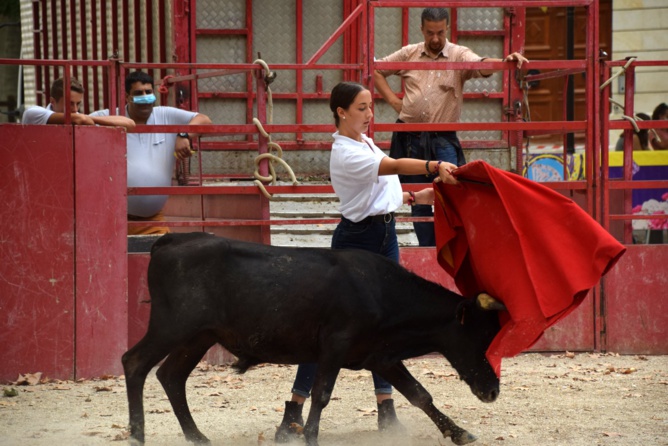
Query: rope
[
  {"x": 269, "y": 77},
  {"x": 619, "y": 73},
  {"x": 273, "y": 159}
]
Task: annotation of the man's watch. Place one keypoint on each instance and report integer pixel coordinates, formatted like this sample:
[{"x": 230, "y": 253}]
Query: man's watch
[{"x": 183, "y": 135}]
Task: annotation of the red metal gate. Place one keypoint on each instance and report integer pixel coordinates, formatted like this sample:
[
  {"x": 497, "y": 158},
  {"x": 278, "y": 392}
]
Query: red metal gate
[{"x": 626, "y": 312}]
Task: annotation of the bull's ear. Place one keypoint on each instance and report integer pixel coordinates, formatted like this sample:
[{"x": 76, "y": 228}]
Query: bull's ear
[{"x": 487, "y": 302}]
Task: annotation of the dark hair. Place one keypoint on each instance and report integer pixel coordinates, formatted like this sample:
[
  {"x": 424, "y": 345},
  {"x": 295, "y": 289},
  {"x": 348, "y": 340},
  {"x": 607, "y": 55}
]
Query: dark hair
[
  {"x": 659, "y": 111},
  {"x": 435, "y": 15},
  {"x": 137, "y": 76},
  {"x": 56, "y": 91},
  {"x": 643, "y": 134},
  {"x": 343, "y": 95}
]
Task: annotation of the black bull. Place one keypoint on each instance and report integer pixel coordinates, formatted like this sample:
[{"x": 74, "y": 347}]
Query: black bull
[{"x": 337, "y": 308}]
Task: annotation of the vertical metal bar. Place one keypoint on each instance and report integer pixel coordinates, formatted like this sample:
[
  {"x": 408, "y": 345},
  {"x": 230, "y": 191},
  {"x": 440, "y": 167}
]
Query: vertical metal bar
[
  {"x": 359, "y": 46},
  {"x": 591, "y": 148},
  {"x": 299, "y": 46},
  {"x": 83, "y": 24},
  {"x": 149, "y": 34},
  {"x": 263, "y": 145},
  {"x": 362, "y": 48},
  {"x": 249, "y": 58},
  {"x": 73, "y": 49},
  {"x": 347, "y": 40},
  {"x": 94, "y": 43},
  {"x": 105, "y": 49},
  {"x": 137, "y": 25},
  {"x": 591, "y": 49},
  {"x": 405, "y": 22},
  {"x": 113, "y": 87},
  {"x": 368, "y": 59},
  {"x": 122, "y": 73},
  {"x": 63, "y": 30},
  {"x": 629, "y": 110},
  {"x": 570, "y": 90},
  {"x": 515, "y": 21},
  {"x": 453, "y": 25},
  {"x": 126, "y": 31},
  {"x": 54, "y": 38},
  {"x": 162, "y": 19},
  {"x": 44, "y": 26},
  {"x": 37, "y": 30},
  {"x": 114, "y": 27},
  {"x": 183, "y": 35},
  {"x": 67, "y": 95},
  {"x": 194, "y": 98},
  {"x": 605, "y": 163},
  {"x": 405, "y": 25}
]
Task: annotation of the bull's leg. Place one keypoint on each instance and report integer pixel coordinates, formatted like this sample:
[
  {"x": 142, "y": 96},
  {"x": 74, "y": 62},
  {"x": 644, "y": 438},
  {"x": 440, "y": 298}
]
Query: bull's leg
[
  {"x": 174, "y": 373},
  {"x": 137, "y": 363},
  {"x": 323, "y": 386},
  {"x": 404, "y": 382}
]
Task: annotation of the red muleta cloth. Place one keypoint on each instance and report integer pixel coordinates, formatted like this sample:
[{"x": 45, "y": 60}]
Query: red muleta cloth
[{"x": 528, "y": 246}]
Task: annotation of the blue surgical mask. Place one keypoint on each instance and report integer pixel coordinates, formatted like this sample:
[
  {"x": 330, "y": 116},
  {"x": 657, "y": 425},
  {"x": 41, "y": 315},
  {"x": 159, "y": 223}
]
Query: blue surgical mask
[{"x": 144, "y": 99}]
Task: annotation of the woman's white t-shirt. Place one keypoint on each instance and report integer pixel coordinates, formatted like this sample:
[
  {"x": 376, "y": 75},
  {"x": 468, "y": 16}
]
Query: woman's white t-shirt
[{"x": 353, "y": 168}]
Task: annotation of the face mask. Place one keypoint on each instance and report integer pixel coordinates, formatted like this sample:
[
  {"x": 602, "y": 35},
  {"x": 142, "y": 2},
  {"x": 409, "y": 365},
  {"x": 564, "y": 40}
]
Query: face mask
[{"x": 144, "y": 99}]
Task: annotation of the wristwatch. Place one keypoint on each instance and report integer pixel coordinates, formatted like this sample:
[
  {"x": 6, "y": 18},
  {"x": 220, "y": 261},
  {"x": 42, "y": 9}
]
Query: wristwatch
[{"x": 183, "y": 135}]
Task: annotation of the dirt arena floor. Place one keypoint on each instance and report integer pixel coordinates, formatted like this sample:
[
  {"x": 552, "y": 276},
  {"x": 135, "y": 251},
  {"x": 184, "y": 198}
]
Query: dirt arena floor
[{"x": 557, "y": 399}]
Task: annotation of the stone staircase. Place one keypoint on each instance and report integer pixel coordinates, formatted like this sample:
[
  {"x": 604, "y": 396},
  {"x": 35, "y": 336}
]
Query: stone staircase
[{"x": 309, "y": 206}]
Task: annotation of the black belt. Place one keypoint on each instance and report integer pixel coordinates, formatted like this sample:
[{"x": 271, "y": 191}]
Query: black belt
[
  {"x": 445, "y": 134},
  {"x": 381, "y": 218}
]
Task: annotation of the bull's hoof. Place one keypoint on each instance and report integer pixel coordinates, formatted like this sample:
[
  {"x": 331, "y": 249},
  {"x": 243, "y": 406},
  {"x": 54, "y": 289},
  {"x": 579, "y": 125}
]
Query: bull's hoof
[
  {"x": 132, "y": 441},
  {"x": 288, "y": 433},
  {"x": 463, "y": 437},
  {"x": 198, "y": 438}
]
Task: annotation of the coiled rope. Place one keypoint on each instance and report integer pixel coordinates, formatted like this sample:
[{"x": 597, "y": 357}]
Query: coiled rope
[{"x": 271, "y": 146}]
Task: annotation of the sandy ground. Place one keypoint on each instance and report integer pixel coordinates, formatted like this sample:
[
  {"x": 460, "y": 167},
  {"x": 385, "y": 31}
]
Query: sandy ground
[{"x": 565, "y": 399}]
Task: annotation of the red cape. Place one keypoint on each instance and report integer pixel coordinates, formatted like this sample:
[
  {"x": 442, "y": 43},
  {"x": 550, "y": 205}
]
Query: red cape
[{"x": 528, "y": 246}]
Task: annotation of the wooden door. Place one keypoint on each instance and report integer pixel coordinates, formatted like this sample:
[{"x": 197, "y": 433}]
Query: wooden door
[{"x": 546, "y": 40}]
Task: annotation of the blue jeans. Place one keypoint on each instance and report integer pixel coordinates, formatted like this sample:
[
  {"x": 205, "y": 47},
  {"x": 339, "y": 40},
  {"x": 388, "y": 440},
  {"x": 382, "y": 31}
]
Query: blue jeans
[
  {"x": 444, "y": 149},
  {"x": 380, "y": 238}
]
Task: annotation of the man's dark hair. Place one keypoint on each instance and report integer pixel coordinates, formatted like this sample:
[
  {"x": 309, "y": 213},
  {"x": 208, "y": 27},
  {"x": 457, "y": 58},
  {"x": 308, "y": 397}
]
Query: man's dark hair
[
  {"x": 343, "y": 95},
  {"x": 435, "y": 15},
  {"x": 137, "y": 76},
  {"x": 56, "y": 91}
]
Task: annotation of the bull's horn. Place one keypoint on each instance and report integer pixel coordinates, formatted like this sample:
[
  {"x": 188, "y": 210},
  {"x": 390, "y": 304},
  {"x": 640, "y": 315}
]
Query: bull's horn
[{"x": 487, "y": 302}]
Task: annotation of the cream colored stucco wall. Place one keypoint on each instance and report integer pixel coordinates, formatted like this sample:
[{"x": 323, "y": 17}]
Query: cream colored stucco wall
[{"x": 640, "y": 29}]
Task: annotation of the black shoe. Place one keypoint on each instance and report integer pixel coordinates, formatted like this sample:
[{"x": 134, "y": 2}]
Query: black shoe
[
  {"x": 292, "y": 423},
  {"x": 387, "y": 418}
]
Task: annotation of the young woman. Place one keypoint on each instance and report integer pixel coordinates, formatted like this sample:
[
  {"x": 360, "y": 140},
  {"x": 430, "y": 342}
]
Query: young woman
[{"x": 367, "y": 184}]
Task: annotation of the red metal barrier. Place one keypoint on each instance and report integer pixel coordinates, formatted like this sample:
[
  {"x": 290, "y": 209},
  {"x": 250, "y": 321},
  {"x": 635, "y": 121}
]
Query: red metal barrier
[
  {"x": 635, "y": 306},
  {"x": 63, "y": 287},
  {"x": 65, "y": 275}
]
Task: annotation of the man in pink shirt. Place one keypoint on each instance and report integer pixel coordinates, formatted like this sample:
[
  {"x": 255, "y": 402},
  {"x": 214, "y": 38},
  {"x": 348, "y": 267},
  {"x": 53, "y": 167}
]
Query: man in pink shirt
[{"x": 431, "y": 96}]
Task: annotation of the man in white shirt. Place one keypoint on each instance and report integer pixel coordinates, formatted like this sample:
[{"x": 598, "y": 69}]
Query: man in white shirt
[
  {"x": 54, "y": 113},
  {"x": 151, "y": 156}
]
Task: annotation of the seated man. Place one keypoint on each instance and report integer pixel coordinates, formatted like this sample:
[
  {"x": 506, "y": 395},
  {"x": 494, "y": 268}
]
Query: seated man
[
  {"x": 54, "y": 113},
  {"x": 152, "y": 156}
]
